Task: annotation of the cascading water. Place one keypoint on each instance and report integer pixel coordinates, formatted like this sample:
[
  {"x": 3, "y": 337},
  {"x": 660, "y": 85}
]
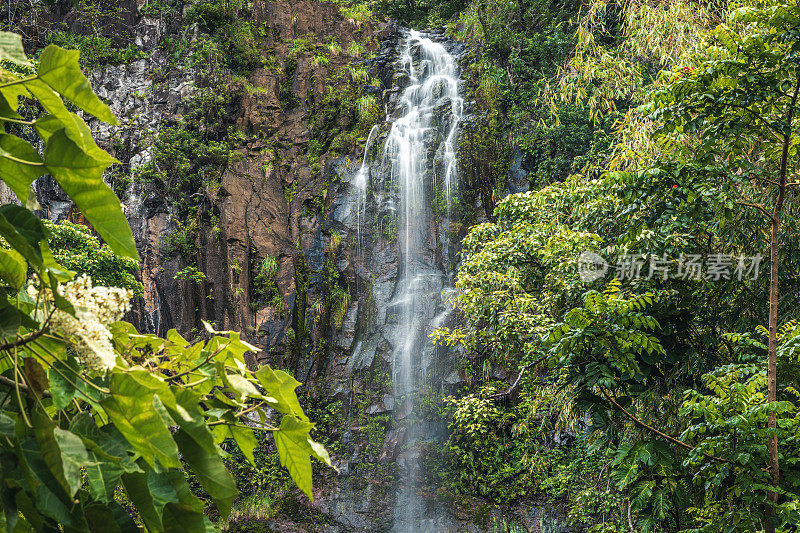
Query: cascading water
[{"x": 419, "y": 156}]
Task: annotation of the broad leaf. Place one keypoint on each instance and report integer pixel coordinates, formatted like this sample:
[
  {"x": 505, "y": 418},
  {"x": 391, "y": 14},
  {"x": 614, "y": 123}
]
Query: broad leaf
[
  {"x": 81, "y": 177},
  {"x": 61, "y": 388},
  {"x": 23, "y": 231},
  {"x": 131, "y": 408},
  {"x": 139, "y": 494},
  {"x": 281, "y": 386},
  {"x": 196, "y": 444},
  {"x": 59, "y": 69},
  {"x": 20, "y": 165},
  {"x": 10, "y": 320},
  {"x": 167, "y": 493},
  {"x": 208, "y": 467},
  {"x": 75, "y": 128},
  {"x": 100, "y": 519},
  {"x": 180, "y": 518},
  {"x": 13, "y": 268},
  {"x": 109, "y": 459},
  {"x": 11, "y": 49},
  {"x": 73, "y": 457},
  {"x": 242, "y": 386},
  {"x": 62, "y": 472},
  {"x": 294, "y": 451},
  {"x": 246, "y": 441}
]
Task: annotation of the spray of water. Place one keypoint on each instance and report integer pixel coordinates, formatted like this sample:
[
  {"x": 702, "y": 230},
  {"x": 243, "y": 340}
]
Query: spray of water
[
  {"x": 420, "y": 156},
  {"x": 421, "y": 150}
]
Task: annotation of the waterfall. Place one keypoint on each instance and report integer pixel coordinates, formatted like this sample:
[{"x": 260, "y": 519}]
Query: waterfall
[
  {"x": 418, "y": 162},
  {"x": 433, "y": 81},
  {"x": 360, "y": 182}
]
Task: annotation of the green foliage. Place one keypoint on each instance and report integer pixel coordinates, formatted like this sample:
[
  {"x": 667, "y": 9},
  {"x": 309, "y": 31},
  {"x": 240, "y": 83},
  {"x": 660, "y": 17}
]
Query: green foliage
[
  {"x": 676, "y": 394},
  {"x": 91, "y": 407},
  {"x": 227, "y": 22},
  {"x": 189, "y": 160},
  {"x": 191, "y": 274},
  {"x": 288, "y": 99},
  {"x": 102, "y": 38},
  {"x": 160, "y": 8},
  {"x": 75, "y": 248},
  {"x": 344, "y": 117},
  {"x": 420, "y": 14},
  {"x": 265, "y": 287},
  {"x": 496, "y": 453},
  {"x": 96, "y": 50}
]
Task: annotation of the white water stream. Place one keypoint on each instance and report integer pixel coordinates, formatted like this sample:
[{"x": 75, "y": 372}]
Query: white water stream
[
  {"x": 434, "y": 81},
  {"x": 420, "y": 155}
]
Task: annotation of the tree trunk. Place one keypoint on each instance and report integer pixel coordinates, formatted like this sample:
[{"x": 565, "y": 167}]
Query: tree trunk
[
  {"x": 772, "y": 356},
  {"x": 774, "y": 293}
]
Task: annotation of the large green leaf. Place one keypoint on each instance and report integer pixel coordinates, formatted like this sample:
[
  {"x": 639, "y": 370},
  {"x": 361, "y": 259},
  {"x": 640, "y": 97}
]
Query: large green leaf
[
  {"x": 7, "y": 426},
  {"x": 242, "y": 386},
  {"x": 13, "y": 268},
  {"x": 11, "y": 49},
  {"x": 196, "y": 444},
  {"x": 62, "y": 451},
  {"x": 18, "y": 175},
  {"x": 123, "y": 518},
  {"x": 138, "y": 491},
  {"x": 281, "y": 386},
  {"x": 167, "y": 493},
  {"x": 10, "y": 320},
  {"x": 180, "y": 518},
  {"x": 209, "y": 469},
  {"x": 75, "y": 128},
  {"x": 131, "y": 408},
  {"x": 23, "y": 231},
  {"x": 109, "y": 517},
  {"x": 59, "y": 117},
  {"x": 80, "y": 175},
  {"x": 660, "y": 504},
  {"x": 246, "y": 441},
  {"x": 109, "y": 459},
  {"x": 100, "y": 519},
  {"x": 294, "y": 451},
  {"x": 73, "y": 457},
  {"x": 59, "y": 69},
  {"x": 62, "y": 389},
  {"x": 106, "y": 442}
]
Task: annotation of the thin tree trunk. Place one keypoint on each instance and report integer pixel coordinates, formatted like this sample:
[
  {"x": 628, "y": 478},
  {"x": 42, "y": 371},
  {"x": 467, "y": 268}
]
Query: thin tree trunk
[
  {"x": 774, "y": 293},
  {"x": 772, "y": 358}
]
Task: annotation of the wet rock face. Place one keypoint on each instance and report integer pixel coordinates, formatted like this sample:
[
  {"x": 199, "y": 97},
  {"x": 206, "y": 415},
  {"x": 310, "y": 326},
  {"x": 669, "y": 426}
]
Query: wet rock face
[
  {"x": 270, "y": 203},
  {"x": 253, "y": 216}
]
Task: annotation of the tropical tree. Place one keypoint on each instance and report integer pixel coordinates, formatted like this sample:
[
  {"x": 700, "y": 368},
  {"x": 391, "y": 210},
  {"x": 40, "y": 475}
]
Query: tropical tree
[
  {"x": 741, "y": 108},
  {"x": 90, "y": 408}
]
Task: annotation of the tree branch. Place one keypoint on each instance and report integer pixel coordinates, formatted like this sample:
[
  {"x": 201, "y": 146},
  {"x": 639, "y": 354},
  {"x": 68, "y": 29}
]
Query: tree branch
[
  {"x": 766, "y": 122},
  {"x": 11, "y": 383},
  {"x": 21, "y": 341},
  {"x": 759, "y": 207},
  {"x": 515, "y": 385},
  {"x": 664, "y": 436}
]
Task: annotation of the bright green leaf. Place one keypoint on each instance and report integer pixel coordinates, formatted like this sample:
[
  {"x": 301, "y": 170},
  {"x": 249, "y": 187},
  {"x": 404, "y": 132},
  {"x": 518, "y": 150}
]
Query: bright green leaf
[
  {"x": 81, "y": 178},
  {"x": 294, "y": 451},
  {"x": 59, "y": 69}
]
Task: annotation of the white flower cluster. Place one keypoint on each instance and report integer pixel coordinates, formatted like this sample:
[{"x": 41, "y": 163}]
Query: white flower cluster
[{"x": 95, "y": 308}]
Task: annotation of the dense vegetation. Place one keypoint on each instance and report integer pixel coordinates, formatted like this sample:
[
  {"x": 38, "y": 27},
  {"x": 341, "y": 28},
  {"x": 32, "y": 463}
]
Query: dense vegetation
[
  {"x": 660, "y": 137},
  {"x": 100, "y": 425},
  {"x": 674, "y": 128}
]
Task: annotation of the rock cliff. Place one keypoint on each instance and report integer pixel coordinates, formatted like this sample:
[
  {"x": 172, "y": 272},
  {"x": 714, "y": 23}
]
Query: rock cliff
[{"x": 272, "y": 241}]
